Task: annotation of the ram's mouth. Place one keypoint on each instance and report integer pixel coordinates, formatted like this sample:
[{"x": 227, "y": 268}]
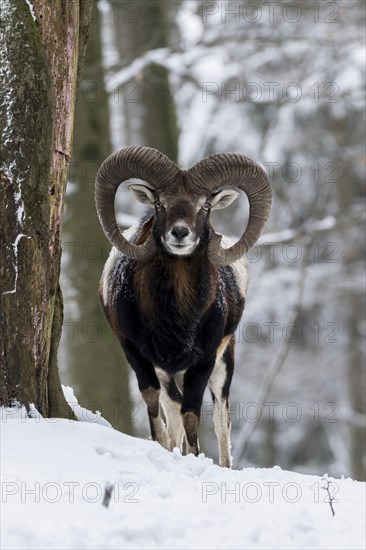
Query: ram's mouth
[{"x": 180, "y": 249}]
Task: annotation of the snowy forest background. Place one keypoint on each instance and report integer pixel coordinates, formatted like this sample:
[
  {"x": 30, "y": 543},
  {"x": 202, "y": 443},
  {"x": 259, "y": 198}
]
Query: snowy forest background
[{"x": 283, "y": 83}]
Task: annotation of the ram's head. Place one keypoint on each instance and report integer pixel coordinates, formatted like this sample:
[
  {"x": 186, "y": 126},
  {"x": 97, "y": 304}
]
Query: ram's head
[{"x": 183, "y": 201}]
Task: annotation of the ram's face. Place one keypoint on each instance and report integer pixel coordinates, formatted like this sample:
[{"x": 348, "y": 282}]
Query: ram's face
[{"x": 182, "y": 222}]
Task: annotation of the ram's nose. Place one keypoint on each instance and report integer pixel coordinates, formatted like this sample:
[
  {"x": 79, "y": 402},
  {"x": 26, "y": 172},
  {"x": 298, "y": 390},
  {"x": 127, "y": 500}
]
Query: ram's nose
[{"x": 180, "y": 232}]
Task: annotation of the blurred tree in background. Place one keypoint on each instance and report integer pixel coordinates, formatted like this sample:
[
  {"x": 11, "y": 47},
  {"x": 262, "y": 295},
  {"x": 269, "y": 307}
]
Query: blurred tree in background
[{"x": 96, "y": 368}]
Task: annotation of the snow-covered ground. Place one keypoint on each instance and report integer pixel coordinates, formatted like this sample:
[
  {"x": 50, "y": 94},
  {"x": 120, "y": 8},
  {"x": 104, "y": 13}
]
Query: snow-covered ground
[{"x": 54, "y": 473}]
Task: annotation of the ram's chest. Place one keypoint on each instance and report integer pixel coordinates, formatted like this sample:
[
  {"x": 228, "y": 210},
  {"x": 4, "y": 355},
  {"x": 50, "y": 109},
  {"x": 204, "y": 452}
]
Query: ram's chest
[
  {"x": 164, "y": 290},
  {"x": 160, "y": 311},
  {"x": 181, "y": 287}
]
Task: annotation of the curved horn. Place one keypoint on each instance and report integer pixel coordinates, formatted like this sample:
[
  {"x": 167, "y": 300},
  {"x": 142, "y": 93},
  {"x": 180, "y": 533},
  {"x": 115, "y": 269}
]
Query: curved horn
[
  {"x": 231, "y": 170},
  {"x": 132, "y": 162}
]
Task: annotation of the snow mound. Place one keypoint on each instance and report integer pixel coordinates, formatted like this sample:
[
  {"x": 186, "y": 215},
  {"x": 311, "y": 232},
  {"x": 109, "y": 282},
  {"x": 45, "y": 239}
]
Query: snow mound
[
  {"x": 82, "y": 414},
  {"x": 54, "y": 474}
]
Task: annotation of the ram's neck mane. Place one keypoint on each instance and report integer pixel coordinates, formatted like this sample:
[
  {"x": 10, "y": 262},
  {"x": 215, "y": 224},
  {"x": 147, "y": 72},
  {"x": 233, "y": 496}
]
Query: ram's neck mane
[{"x": 187, "y": 283}]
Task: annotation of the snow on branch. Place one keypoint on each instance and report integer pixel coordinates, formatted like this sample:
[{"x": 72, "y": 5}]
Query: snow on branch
[
  {"x": 315, "y": 227},
  {"x": 177, "y": 63},
  {"x": 127, "y": 73}
]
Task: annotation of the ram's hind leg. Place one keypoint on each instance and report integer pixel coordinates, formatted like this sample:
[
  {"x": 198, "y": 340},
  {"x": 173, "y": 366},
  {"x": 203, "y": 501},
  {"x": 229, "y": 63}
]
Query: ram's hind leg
[
  {"x": 149, "y": 387},
  {"x": 171, "y": 401},
  {"x": 219, "y": 384}
]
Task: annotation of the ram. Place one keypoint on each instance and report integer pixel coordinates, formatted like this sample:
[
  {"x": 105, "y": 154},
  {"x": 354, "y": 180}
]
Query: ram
[{"x": 171, "y": 291}]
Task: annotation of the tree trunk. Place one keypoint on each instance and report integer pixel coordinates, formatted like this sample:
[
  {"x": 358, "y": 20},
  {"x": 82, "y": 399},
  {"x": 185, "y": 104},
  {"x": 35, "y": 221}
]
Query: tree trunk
[{"x": 41, "y": 60}]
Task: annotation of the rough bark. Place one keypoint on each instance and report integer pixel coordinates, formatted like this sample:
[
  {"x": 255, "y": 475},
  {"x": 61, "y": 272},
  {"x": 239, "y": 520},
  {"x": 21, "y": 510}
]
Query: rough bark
[{"x": 38, "y": 86}]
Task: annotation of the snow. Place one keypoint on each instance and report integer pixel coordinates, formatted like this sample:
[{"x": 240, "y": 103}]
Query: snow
[
  {"x": 190, "y": 25},
  {"x": 328, "y": 222},
  {"x": 20, "y": 212},
  {"x": 16, "y": 266},
  {"x": 126, "y": 74},
  {"x": 7, "y": 76},
  {"x": 31, "y": 8},
  {"x": 55, "y": 472},
  {"x": 82, "y": 414}
]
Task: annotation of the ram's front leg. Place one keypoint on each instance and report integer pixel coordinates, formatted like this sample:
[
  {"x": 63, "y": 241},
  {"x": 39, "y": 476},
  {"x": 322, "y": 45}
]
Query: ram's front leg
[
  {"x": 149, "y": 387},
  {"x": 171, "y": 401},
  {"x": 194, "y": 384}
]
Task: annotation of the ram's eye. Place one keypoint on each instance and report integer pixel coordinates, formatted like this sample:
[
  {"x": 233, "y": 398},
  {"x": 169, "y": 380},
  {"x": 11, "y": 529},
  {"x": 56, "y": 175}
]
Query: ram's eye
[
  {"x": 206, "y": 206},
  {"x": 158, "y": 204}
]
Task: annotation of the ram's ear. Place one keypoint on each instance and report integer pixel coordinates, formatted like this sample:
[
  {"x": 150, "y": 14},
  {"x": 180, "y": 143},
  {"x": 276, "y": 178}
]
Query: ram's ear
[
  {"x": 142, "y": 193},
  {"x": 223, "y": 198}
]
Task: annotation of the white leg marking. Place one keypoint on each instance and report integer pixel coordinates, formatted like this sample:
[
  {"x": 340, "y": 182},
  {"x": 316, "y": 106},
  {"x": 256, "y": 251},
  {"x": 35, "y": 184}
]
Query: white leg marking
[
  {"x": 174, "y": 420},
  {"x": 161, "y": 434},
  {"x": 157, "y": 426},
  {"x": 221, "y": 414},
  {"x": 171, "y": 410}
]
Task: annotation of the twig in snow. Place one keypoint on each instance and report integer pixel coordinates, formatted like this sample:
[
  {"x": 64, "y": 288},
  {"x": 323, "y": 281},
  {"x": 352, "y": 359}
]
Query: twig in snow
[
  {"x": 326, "y": 488},
  {"x": 108, "y": 490}
]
